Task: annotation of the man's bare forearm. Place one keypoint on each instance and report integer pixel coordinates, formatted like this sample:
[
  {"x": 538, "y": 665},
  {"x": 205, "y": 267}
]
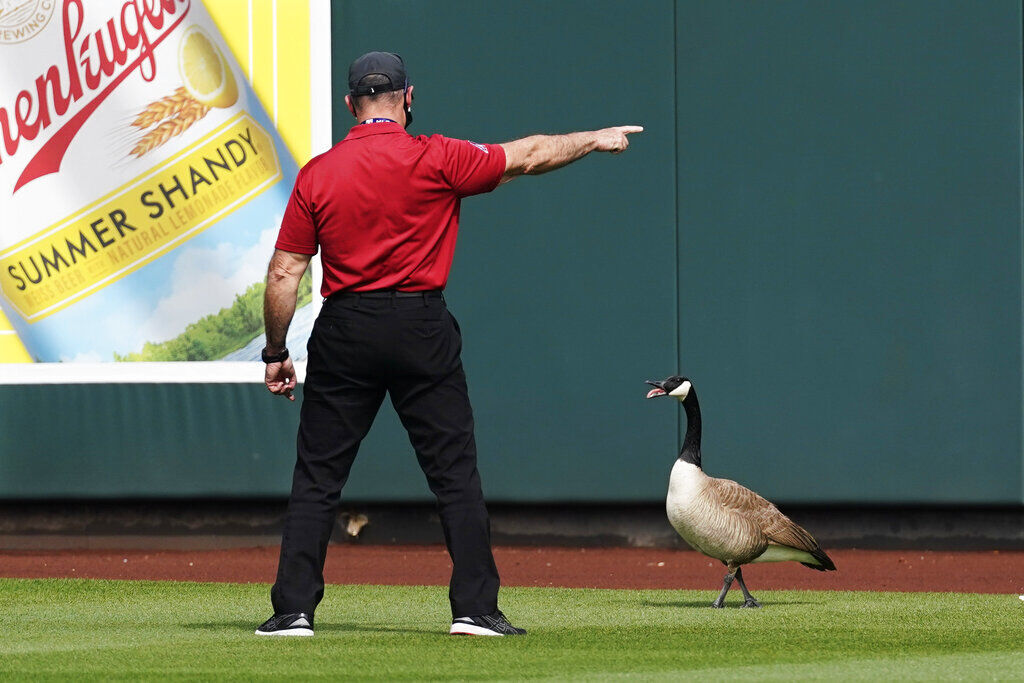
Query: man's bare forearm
[
  {"x": 542, "y": 153},
  {"x": 283, "y": 278}
]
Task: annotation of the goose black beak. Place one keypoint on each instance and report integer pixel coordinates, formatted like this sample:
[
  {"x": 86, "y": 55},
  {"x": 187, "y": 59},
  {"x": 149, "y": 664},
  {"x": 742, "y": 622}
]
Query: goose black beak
[{"x": 658, "y": 390}]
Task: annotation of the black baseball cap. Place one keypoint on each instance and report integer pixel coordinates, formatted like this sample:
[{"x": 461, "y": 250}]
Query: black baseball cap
[{"x": 385, "y": 64}]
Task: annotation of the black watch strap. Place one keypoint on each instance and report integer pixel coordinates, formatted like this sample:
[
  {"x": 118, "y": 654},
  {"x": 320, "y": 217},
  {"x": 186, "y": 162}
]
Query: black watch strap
[{"x": 273, "y": 357}]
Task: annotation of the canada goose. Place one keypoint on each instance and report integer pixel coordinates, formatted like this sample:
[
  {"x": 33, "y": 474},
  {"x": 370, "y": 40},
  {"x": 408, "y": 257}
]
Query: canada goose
[{"x": 722, "y": 519}]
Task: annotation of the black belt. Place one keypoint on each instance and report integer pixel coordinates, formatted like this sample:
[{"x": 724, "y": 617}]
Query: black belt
[{"x": 388, "y": 294}]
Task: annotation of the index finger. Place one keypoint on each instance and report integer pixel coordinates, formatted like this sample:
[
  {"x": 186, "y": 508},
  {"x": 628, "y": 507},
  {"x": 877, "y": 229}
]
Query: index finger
[{"x": 631, "y": 129}]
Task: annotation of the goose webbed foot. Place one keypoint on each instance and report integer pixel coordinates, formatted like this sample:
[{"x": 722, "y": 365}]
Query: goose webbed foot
[
  {"x": 750, "y": 602},
  {"x": 718, "y": 604}
]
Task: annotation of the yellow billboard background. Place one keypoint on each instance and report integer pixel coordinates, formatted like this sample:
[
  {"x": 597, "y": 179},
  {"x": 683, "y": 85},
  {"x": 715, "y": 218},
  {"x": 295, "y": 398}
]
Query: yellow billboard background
[{"x": 271, "y": 42}]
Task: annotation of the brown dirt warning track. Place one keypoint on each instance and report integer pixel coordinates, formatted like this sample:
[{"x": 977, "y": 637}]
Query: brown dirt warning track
[{"x": 912, "y": 570}]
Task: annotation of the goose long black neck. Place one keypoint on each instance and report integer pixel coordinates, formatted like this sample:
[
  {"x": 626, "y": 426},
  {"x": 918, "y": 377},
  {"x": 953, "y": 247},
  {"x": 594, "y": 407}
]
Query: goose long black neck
[{"x": 690, "y": 451}]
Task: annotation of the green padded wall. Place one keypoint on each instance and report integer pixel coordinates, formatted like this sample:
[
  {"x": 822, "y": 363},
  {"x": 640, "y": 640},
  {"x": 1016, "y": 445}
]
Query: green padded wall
[
  {"x": 850, "y": 256},
  {"x": 821, "y": 225},
  {"x": 129, "y": 440}
]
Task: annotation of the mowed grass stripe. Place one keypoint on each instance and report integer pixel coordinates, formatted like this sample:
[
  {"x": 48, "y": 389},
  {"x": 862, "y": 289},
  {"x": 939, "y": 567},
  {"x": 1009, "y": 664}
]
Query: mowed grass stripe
[{"x": 131, "y": 630}]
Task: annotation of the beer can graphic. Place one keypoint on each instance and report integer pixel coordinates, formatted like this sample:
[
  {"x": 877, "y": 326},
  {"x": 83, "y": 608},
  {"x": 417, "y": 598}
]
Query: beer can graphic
[{"x": 141, "y": 186}]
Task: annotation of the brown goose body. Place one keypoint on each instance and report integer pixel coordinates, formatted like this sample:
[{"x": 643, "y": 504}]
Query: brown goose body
[{"x": 731, "y": 523}]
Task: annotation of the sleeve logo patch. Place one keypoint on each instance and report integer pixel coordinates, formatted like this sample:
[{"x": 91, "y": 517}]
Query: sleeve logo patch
[{"x": 479, "y": 147}]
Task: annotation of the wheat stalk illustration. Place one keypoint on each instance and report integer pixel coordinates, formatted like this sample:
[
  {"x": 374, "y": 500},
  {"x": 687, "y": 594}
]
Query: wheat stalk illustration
[
  {"x": 173, "y": 115},
  {"x": 162, "y": 108}
]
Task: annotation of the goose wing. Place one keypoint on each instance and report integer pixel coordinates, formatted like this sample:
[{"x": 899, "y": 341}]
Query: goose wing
[{"x": 779, "y": 528}]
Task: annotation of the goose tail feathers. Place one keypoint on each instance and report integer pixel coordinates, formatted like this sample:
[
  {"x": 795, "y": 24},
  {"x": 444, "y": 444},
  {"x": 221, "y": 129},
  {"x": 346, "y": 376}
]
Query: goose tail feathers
[{"x": 824, "y": 564}]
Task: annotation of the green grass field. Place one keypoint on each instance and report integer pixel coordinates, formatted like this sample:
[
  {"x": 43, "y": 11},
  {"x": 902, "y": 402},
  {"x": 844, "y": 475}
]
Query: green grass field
[{"x": 156, "y": 630}]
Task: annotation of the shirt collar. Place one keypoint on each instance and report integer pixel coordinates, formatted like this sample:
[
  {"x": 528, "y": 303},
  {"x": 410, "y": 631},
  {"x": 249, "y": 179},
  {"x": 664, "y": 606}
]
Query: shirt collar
[{"x": 361, "y": 130}]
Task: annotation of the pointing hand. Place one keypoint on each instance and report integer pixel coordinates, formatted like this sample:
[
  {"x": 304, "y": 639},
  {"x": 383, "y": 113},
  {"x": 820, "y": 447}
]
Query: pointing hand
[{"x": 614, "y": 139}]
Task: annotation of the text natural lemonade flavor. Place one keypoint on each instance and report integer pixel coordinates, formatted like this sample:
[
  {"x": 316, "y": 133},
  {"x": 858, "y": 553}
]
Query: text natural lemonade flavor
[{"x": 141, "y": 183}]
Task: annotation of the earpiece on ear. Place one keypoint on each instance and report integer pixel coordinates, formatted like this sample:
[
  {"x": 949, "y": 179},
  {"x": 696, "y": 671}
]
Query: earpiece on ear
[{"x": 409, "y": 97}]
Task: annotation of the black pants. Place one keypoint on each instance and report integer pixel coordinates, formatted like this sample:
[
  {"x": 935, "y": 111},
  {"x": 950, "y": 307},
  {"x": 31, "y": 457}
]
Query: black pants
[{"x": 360, "y": 348}]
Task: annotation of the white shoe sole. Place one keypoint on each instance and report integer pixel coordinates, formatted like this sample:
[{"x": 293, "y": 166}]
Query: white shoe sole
[
  {"x": 287, "y": 632},
  {"x": 464, "y": 629}
]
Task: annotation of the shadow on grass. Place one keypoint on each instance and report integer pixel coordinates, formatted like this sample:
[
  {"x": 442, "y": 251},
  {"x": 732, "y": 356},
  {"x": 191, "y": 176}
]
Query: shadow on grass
[
  {"x": 728, "y": 605},
  {"x": 250, "y": 626}
]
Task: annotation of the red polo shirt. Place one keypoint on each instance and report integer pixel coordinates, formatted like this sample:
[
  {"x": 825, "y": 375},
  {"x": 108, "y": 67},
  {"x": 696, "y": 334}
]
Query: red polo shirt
[{"x": 384, "y": 206}]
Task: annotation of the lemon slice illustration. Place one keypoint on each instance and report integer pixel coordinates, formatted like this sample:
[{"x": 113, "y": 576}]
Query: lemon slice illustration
[{"x": 204, "y": 70}]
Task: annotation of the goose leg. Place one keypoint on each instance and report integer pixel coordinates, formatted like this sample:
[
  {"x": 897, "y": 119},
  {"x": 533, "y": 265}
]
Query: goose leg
[
  {"x": 726, "y": 583},
  {"x": 748, "y": 599}
]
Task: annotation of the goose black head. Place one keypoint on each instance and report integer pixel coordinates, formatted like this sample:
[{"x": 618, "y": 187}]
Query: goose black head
[{"x": 675, "y": 385}]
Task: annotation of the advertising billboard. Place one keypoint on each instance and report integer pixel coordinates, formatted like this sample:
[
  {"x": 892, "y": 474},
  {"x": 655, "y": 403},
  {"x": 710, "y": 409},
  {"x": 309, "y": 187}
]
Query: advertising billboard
[{"x": 142, "y": 181}]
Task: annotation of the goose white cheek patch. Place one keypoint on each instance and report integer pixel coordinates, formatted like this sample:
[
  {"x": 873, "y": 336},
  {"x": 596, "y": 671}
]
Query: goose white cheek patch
[
  {"x": 682, "y": 391},
  {"x": 655, "y": 392}
]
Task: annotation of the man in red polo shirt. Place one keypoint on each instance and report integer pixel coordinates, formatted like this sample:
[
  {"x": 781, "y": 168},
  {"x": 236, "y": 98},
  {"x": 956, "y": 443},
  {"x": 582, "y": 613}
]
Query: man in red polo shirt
[{"x": 383, "y": 208}]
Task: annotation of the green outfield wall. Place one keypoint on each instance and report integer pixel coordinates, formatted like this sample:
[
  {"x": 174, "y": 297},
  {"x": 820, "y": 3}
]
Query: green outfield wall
[{"x": 821, "y": 226}]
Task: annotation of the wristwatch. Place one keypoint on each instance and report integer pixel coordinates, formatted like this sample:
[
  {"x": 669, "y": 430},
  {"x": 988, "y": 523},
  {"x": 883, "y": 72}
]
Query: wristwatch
[{"x": 273, "y": 357}]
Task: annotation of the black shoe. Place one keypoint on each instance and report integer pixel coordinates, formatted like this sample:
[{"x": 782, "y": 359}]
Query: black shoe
[
  {"x": 487, "y": 625},
  {"x": 295, "y": 624}
]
